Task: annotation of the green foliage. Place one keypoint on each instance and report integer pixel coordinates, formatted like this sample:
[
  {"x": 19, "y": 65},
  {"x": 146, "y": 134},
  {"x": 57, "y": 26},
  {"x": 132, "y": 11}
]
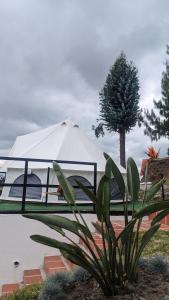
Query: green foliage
[
  {"x": 58, "y": 285},
  {"x": 119, "y": 97},
  {"x": 119, "y": 101},
  {"x": 156, "y": 264},
  {"x": 143, "y": 263},
  {"x": 159, "y": 264},
  {"x": 55, "y": 287},
  {"x": 30, "y": 292},
  {"x": 80, "y": 275},
  {"x": 117, "y": 262},
  {"x": 157, "y": 122}
]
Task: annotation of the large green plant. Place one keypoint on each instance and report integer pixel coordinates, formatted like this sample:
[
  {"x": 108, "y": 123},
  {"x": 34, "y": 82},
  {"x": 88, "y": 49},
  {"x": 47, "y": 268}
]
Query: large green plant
[{"x": 117, "y": 262}]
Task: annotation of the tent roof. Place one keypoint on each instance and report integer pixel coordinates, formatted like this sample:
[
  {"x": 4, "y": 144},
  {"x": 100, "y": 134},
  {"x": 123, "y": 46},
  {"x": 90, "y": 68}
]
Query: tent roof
[{"x": 62, "y": 141}]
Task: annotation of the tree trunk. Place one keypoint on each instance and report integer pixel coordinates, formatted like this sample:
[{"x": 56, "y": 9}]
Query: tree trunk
[{"x": 123, "y": 148}]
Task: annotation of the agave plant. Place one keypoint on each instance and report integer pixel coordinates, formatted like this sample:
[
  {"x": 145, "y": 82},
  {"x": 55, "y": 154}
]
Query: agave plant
[{"x": 116, "y": 263}]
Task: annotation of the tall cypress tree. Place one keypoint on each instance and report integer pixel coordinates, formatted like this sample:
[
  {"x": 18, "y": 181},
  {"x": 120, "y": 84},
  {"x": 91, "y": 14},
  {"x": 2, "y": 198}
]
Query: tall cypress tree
[
  {"x": 157, "y": 123},
  {"x": 119, "y": 102}
]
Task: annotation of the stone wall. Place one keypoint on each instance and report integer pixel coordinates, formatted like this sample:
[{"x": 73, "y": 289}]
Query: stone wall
[{"x": 158, "y": 168}]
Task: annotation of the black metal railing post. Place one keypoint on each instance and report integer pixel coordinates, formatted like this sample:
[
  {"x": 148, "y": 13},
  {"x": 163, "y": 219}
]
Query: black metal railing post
[
  {"x": 162, "y": 189},
  {"x": 95, "y": 183},
  {"x": 24, "y": 185},
  {"x": 47, "y": 186}
]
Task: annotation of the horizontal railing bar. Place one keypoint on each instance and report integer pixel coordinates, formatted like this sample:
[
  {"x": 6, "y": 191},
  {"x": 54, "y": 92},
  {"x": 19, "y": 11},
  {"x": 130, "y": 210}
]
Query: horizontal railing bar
[
  {"x": 71, "y": 162},
  {"x": 40, "y": 185},
  {"x": 87, "y": 203},
  {"x": 112, "y": 213}
]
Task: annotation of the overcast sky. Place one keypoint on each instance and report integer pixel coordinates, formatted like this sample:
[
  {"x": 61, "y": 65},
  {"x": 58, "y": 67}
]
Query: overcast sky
[{"x": 55, "y": 55}]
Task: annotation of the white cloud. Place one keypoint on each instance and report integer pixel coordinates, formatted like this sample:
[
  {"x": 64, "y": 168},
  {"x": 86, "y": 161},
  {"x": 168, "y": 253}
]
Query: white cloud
[{"x": 55, "y": 56}]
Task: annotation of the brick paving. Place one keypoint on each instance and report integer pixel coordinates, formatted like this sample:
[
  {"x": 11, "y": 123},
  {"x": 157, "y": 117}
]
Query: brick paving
[{"x": 8, "y": 289}]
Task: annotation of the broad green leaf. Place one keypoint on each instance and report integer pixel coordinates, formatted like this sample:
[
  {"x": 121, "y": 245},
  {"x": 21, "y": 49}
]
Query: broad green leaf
[
  {"x": 117, "y": 175},
  {"x": 126, "y": 231},
  {"x": 151, "y": 208},
  {"x": 103, "y": 198},
  {"x": 61, "y": 222},
  {"x": 147, "y": 237},
  {"x": 152, "y": 191},
  {"x": 110, "y": 234},
  {"x": 144, "y": 242},
  {"x": 133, "y": 179},
  {"x": 108, "y": 168},
  {"x": 68, "y": 190},
  {"x": 89, "y": 193},
  {"x": 106, "y": 155},
  {"x": 56, "y": 244},
  {"x": 160, "y": 216}
]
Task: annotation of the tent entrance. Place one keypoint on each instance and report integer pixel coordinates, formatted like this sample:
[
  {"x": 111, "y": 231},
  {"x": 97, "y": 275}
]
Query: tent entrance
[
  {"x": 79, "y": 194},
  {"x": 31, "y": 192},
  {"x": 115, "y": 192}
]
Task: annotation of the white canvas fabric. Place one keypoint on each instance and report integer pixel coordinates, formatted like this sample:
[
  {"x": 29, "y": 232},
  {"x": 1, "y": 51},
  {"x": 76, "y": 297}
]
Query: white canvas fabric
[{"x": 63, "y": 141}]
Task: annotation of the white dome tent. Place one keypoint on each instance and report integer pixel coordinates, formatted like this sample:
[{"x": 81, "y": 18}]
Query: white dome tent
[{"x": 63, "y": 141}]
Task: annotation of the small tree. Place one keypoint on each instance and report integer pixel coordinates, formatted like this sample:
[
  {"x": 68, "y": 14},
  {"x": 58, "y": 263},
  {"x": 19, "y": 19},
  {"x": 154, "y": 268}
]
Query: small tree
[
  {"x": 119, "y": 102},
  {"x": 157, "y": 125}
]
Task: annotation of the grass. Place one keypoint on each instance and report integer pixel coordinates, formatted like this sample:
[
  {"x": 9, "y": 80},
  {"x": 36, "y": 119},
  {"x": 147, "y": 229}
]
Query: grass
[
  {"x": 15, "y": 206},
  {"x": 159, "y": 245}
]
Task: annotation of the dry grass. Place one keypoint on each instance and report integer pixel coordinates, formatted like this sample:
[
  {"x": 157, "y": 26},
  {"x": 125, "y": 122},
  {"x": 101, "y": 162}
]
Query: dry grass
[{"x": 159, "y": 245}]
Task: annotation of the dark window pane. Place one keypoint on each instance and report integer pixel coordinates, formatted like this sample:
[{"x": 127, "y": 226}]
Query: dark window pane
[
  {"x": 31, "y": 192},
  {"x": 80, "y": 195}
]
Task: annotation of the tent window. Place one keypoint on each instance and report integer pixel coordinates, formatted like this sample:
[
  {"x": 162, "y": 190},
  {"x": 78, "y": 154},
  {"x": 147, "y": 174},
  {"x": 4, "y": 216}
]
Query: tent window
[
  {"x": 31, "y": 192},
  {"x": 115, "y": 193},
  {"x": 80, "y": 195}
]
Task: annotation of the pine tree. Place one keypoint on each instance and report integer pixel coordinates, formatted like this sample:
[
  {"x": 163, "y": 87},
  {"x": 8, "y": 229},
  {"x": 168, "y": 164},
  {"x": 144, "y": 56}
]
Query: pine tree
[
  {"x": 119, "y": 102},
  {"x": 157, "y": 123}
]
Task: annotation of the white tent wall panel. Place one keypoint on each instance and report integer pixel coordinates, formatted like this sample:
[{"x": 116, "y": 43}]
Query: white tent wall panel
[{"x": 12, "y": 174}]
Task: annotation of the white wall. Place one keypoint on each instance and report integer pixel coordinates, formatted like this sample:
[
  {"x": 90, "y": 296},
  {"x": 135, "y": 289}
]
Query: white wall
[{"x": 16, "y": 245}]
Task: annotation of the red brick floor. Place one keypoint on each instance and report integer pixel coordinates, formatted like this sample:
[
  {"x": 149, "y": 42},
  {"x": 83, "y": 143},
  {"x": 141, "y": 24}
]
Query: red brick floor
[
  {"x": 9, "y": 288},
  {"x": 119, "y": 225}
]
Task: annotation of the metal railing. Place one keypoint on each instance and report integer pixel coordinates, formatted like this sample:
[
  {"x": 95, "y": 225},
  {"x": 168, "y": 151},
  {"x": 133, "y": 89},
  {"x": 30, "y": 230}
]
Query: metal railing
[{"x": 47, "y": 185}]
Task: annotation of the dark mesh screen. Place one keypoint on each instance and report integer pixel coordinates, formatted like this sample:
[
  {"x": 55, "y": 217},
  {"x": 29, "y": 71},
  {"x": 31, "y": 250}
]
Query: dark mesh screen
[
  {"x": 80, "y": 195},
  {"x": 115, "y": 193},
  {"x": 31, "y": 192}
]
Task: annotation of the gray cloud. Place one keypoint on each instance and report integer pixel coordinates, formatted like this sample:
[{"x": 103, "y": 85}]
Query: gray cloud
[{"x": 55, "y": 55}]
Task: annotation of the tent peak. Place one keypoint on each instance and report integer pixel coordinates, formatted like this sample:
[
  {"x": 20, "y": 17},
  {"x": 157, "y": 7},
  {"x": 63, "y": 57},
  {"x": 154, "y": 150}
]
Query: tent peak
[{"x": 70, "y": 123}]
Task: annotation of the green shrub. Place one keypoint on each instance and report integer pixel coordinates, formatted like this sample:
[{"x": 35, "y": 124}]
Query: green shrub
[
  {"x": 143, "y": 263},
  {"x": 55, "y": 286},
  {"x": 117, "y": 263},
  {"x": 80, "y": 275},
  {"x": 159, "y": 264},
  {"x": 30, "y": 292}
]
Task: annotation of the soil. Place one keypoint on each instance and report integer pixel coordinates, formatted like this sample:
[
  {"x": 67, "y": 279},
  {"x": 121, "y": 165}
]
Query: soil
[{"x": 150, "y": 286}]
